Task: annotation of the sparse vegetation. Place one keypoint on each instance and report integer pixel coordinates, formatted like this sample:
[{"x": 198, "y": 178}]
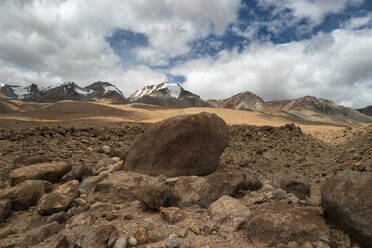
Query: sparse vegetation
[{"x": 155, "y": 197}]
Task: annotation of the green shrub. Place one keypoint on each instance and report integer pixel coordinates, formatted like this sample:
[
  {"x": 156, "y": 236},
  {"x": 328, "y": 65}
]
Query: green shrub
[{"x": 155, "y": 197}]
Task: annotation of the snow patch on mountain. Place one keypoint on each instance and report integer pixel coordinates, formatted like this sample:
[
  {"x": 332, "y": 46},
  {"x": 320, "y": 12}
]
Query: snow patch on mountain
[
  {"x": 173, "y": 88},
  {"x": 112, "y": 88}
]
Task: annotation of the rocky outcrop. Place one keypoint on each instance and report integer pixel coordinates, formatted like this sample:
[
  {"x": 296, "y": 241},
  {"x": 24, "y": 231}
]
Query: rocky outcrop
[
  {"x": 24, "y": 195},
  {"x": 180, "y": 146},
  {"x": 275, "y": 223},
  {"x": 229, "y": 213},
  {"x": 347, "y": 200},
  {"x": 51, "y": 172},
  {"x": 59, "y": 199},
  {"x": 167, "y": 94}
]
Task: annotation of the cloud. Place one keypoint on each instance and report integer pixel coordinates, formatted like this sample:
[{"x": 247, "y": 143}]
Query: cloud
[
  {"x": 67, "y": 40},
  {"x": 334, "y": 66}
]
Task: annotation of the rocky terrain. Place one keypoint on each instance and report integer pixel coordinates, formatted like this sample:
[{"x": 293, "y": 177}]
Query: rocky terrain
[
  {"x": 85, "y": 183},
  {"x": 167, "y": 94},
  {"x": 366, "y": 110},
  {"x": 98, "y": 91}
]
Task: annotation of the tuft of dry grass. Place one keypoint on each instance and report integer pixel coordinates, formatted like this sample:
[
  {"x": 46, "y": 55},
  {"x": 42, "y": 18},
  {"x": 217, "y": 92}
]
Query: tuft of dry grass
[{"x": 155, "y": 197}]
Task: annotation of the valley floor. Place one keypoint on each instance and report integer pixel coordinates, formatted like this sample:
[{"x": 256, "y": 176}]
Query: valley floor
[{"x": 261, "y": 146}]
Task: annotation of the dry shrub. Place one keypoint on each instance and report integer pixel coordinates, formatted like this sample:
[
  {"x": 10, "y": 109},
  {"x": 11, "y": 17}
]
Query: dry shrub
[{"x": 155, "y": 197}]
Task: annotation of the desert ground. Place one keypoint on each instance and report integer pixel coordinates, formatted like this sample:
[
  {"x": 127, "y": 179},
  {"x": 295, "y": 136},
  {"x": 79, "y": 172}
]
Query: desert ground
[{"x": 262, "y": 147}]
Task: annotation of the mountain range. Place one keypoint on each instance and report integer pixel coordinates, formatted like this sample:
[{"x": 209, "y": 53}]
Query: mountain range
[{"x": 173, "y": 95}]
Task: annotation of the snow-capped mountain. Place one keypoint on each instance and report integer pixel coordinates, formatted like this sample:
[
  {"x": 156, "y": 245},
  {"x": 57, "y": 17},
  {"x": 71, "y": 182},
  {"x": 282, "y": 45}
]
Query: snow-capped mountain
[
  {"x": 99, "y": 91},
  {"x": 167, "y": 94}
]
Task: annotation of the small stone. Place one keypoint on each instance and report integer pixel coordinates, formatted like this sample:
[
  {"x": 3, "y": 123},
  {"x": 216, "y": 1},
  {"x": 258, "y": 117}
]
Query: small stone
[
  {"x": 79, "y": 201},
  {"x": 122, "y": 242},
  {"x": 132, "y": 241},
  {"x": 307, "y": 245},
  {"x": 60, "y": 217},
  {"x": 292, "y": 244},
  {"x": 172, "y": 241},
  {"x": 106, "y": 149},
  {"x": 142, "y": 236},
  {"x": 182, "y": 233},
  {"x": 280, "y": 194},
  {"x": 171, "y": 214},
  {"x": 320, "y": 244},
  {"x": 195, "y": 229},
  {"x": 99, "y": 205},
  {"x": 267, "y": 188}
]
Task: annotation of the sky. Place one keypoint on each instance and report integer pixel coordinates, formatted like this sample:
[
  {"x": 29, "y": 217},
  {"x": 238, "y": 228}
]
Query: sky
[{"x": 277, "y": 49}]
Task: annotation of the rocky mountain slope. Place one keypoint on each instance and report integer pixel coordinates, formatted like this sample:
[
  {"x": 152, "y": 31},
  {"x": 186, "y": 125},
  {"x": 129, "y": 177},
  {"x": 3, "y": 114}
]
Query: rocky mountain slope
[
  {"x": 167, "y": 94},
  {"x": 242, "y": 101},
  {"x": 307, "y": 108},
  {"x": 98, "y": 91},
  {"x": 316, "y": 109},
  {"x": 366, "y": 110}
]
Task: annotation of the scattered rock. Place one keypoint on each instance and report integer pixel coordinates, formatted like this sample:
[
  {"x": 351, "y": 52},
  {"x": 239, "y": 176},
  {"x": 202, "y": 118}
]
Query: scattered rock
[
  {"x": 122, "y": 186},
  {"x": 105, "y": 162},
  {"x": 106, "y": 149},
  {"x": 51, "y": 172},
  {"x": 83, "y": 231},
  {"x": 90, "y": 183},
  {"x": 279, "y": 194},
  {"x": 59, "y": 199},
  {"x": 60, "y": 217},
  {"x": 5, "y": 209},
  {"x": 142, "y": 236},
  {"x": 172, "y": 241},
  {"x": 296, "y": 187},
  {"x": 39, "y": 234},
  {"x": 193, "y": 147},
  {"x": 24, "y": 195},
  {"x": 274, "y": 223},
  {"x": 132, "y": 241},
  {"x": 171, "y": 214},
  {"x": 229, "y": 213},
  {"x": 122, "y": 242},
  {"x": 347, "y": 200}
]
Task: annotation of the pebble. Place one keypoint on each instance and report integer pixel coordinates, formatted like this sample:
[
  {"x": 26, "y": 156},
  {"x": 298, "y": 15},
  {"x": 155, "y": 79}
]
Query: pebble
[
  {"x": 132, "y": 241},
  {"x": 172, "y": 241},
  {"x": 122, "y": 242}
]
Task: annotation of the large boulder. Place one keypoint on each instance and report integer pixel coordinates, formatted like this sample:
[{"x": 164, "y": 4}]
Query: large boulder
[
  {"x": 24, "y": 195},
  {"x": 347, "y": 200},
  {"x": 51, "y": 172},
  {"x": 229, "y": 213},
  {"x": 180, "y": 146},
  {"x": 276, "y": 223},
  {"x": 122, "y": 186},
  {"x": 59, "y": 199}
]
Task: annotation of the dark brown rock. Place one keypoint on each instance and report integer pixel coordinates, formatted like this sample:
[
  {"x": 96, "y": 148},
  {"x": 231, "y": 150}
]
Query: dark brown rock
[
  {"x": 51, "y": 172},
  {"x": 274, "y": 223},
  {"x": 59, "y": 199},
  {"x": 180, "y": 146},
  {"x": 347, "y": 200},
  {"x": 5, "y": 209},
  {"x": 296, "y": 187},
  {"x": 25, "y": 194}
]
